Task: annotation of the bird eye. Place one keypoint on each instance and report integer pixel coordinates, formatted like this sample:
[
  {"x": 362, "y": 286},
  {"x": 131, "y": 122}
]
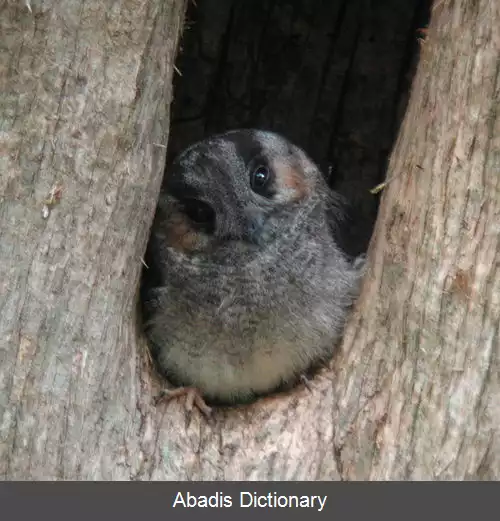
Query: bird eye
[
  {"x": 259, "y": 180},
  {"x": 200, "y": 213}
]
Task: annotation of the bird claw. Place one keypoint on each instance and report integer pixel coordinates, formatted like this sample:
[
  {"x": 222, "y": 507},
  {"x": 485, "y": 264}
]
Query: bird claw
[
  {"x": 193, "y": 398},
  {"x": 307, "y": 383},
  {"x": 360, "y": 263}
]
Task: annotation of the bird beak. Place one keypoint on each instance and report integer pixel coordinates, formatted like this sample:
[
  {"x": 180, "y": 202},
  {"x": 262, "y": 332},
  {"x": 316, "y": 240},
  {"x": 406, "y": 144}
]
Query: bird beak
[{"x": 253, "y": 227}]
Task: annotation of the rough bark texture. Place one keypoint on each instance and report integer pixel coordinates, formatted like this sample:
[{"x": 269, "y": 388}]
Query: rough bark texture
[
  {"x": 84, "y": 89},
  {"x": 414, "y": 391},
  {"x": 417, "y": 390}
]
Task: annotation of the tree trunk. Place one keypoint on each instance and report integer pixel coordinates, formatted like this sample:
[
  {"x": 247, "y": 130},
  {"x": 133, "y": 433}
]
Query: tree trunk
[
  {"x": 85, "y": 94},
  {"x": 414, "y": 390},
  {"x": 417, "y": 392}
]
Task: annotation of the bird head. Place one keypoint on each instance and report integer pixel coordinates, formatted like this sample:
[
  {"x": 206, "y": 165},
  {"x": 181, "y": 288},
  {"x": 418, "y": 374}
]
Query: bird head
[{"x": 243, "y": 187}]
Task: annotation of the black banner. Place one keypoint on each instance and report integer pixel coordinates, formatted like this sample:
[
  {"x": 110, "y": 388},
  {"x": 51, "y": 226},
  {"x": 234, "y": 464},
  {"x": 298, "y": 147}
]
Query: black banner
[{"x": 246, "y": 500}]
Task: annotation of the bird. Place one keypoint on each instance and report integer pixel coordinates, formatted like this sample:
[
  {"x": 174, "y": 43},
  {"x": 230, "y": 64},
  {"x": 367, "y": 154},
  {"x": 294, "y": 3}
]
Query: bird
[{"x": 248, "y": 288}]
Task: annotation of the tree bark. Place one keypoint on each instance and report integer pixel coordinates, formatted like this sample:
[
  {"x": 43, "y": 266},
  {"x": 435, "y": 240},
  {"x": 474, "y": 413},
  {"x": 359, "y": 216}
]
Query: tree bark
[
  {"x": 85, "y": 92},
  {"x": 413, "y": 392},
  {"x": 417, "y": 392}
]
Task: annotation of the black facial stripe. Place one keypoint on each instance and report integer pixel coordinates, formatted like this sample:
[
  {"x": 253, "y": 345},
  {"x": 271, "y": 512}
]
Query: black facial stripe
[
  {"x": 177, "y": 186},
  {"x": 247, "y": 146},
  {"x": 201, "y": 214},
  {"x": 250, "y": 149}
]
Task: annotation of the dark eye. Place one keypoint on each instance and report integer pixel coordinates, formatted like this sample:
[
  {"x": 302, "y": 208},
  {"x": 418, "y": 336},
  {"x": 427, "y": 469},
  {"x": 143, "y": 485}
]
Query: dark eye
[
  {"x": 200, "y": 213},
  {"x": 259, "y": 180}
]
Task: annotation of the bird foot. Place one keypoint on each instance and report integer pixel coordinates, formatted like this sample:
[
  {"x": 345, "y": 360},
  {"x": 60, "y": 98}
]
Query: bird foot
[
  {"x": 360, "y": 263},
  {"x": 193, "y": 398},
  {"x": 307, "y": 382}
]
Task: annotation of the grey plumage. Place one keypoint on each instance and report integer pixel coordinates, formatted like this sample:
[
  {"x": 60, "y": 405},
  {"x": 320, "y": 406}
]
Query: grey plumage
[{"x": 250, "y": 289}]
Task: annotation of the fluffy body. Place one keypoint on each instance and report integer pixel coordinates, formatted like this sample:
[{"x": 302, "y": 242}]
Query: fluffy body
[{"x": 252, "y": 304}]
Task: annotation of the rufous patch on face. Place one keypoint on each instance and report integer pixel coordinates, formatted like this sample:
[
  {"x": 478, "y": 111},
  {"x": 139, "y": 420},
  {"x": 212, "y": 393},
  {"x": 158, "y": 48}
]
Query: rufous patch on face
[
  {"x": 291, "y": 183},
  {"x": 181, "y": 235}
]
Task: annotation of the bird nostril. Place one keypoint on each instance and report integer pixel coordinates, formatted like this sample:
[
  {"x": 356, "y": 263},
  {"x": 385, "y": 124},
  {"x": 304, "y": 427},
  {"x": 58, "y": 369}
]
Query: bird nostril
[
  {"x": 255, "y": 222},
  {"x": 254, "y": 228}
]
